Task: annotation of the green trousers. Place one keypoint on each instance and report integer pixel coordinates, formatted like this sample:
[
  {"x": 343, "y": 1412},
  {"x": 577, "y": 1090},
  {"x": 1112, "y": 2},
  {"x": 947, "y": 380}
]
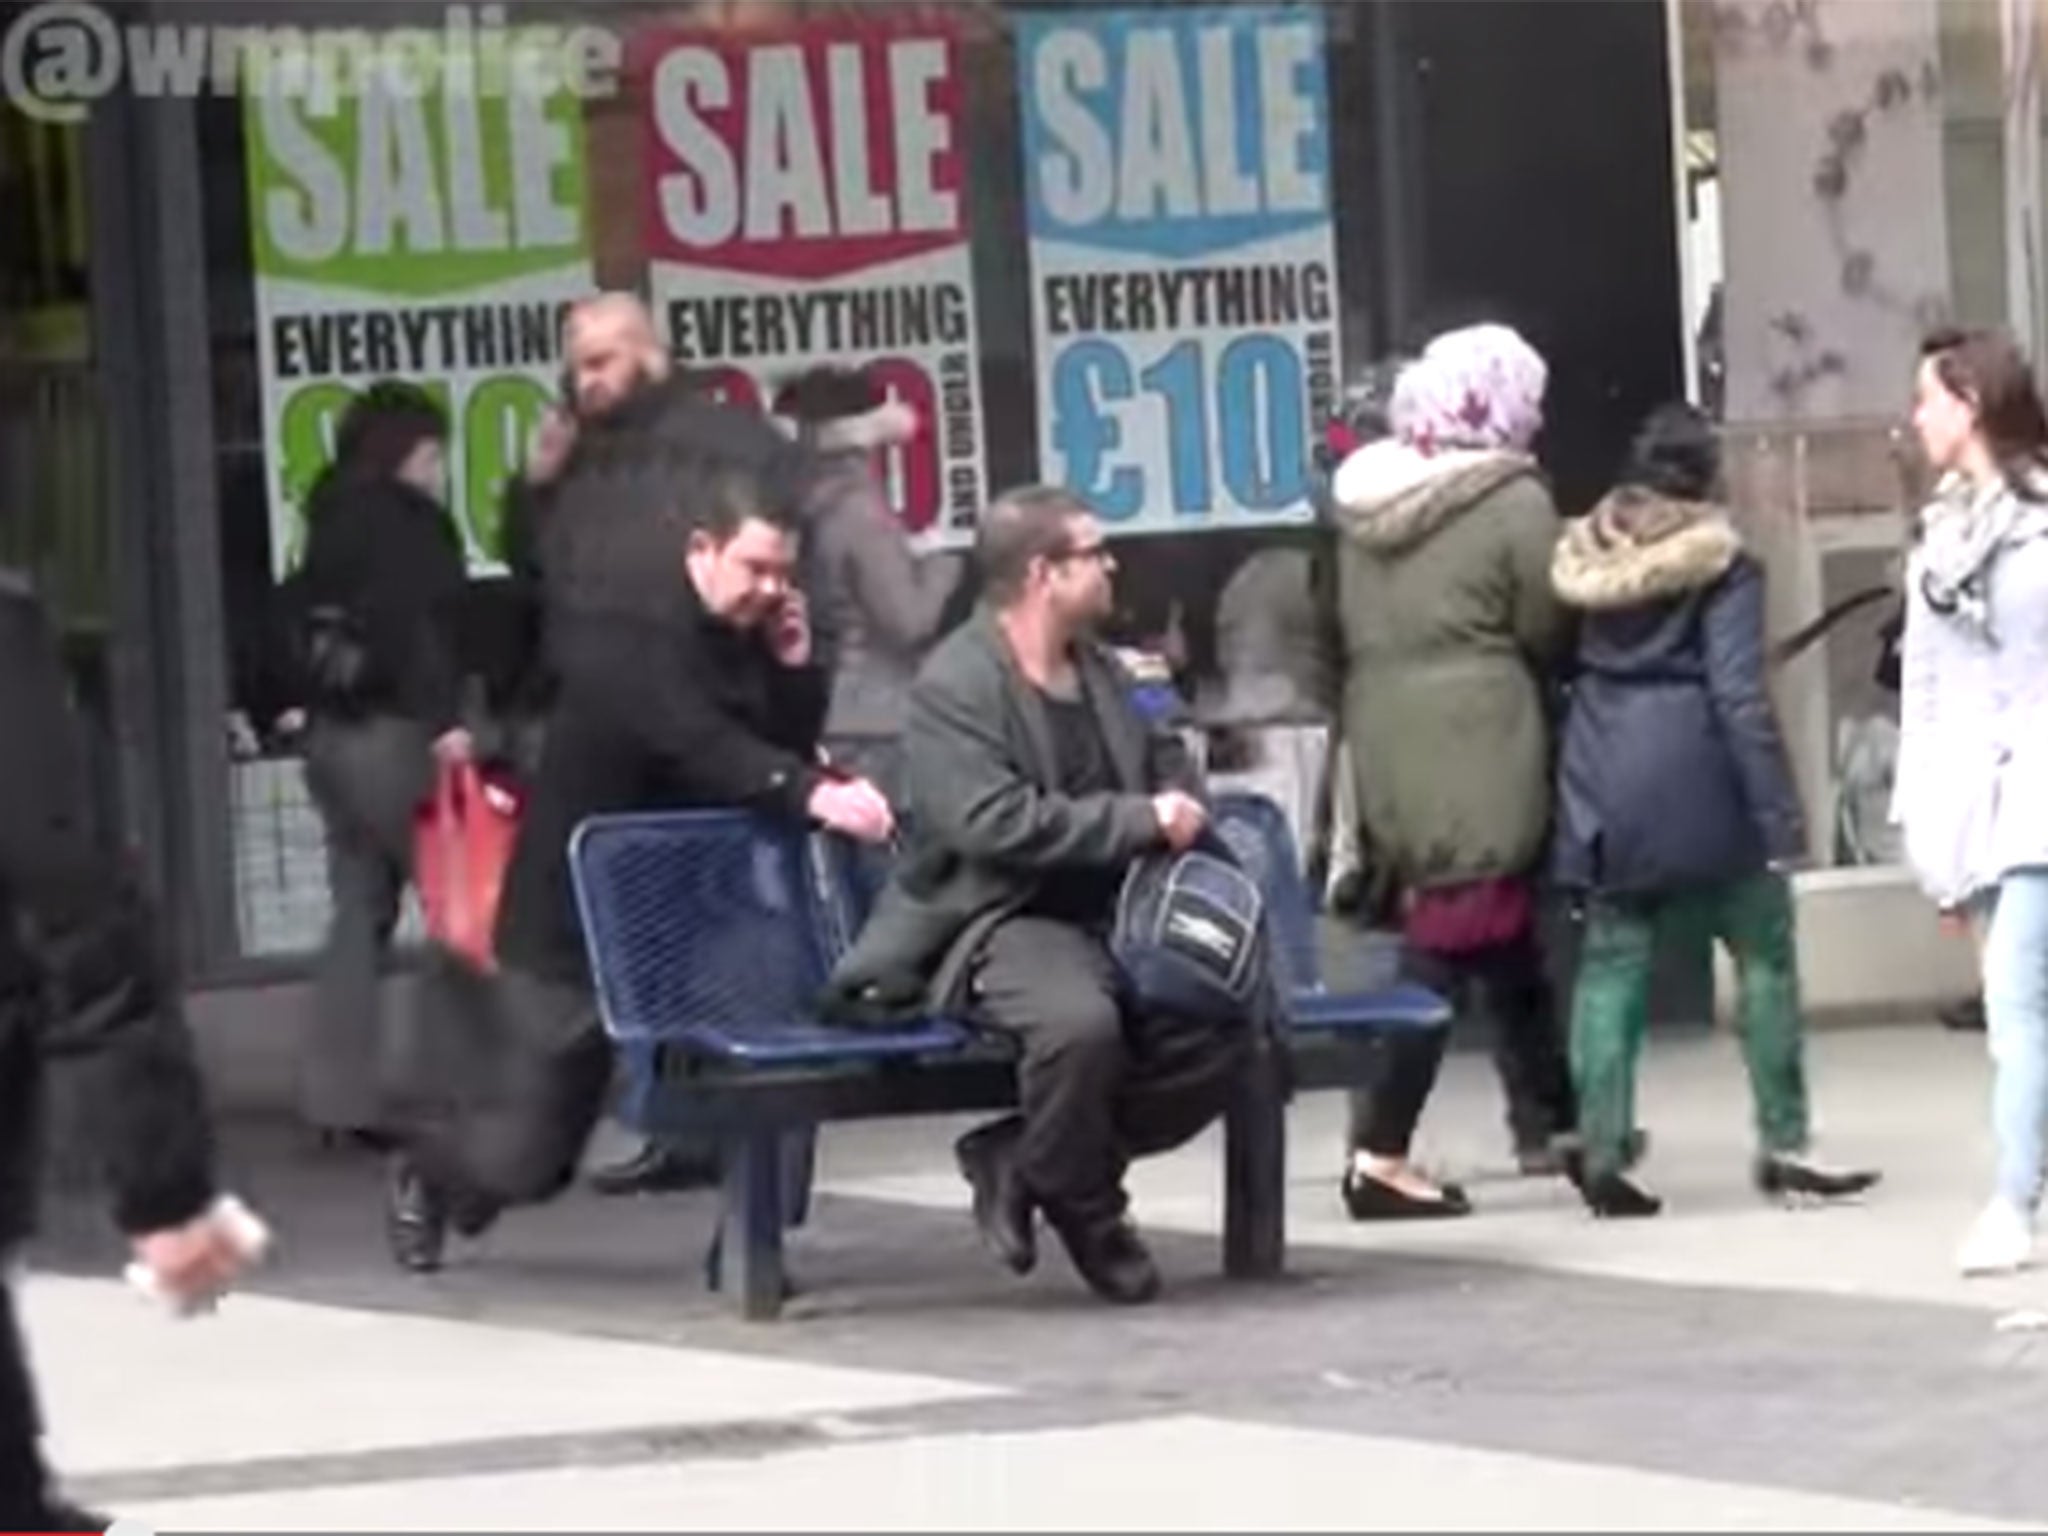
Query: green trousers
[{"x": 1611, "y": 1007}]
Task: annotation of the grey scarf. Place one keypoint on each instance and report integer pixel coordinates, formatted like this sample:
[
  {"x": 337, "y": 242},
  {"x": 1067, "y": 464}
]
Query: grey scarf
[{"x": 1963, "y": 532}]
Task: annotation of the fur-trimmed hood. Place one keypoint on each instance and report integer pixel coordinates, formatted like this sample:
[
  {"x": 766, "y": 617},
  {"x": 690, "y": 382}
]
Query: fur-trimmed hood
[
  {"x": 1638, "y": 547},
  {"x": 1388, "y": 495}
]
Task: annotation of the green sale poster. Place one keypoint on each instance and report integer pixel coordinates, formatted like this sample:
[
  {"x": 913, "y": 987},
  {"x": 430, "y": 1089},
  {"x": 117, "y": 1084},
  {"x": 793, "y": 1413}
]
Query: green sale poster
[{"x": 423, "y": 230}]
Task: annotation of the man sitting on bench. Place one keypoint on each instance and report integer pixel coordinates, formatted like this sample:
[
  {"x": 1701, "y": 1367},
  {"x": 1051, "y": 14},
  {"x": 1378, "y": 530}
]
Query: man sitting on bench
[{"x": 1033, "y": 786}]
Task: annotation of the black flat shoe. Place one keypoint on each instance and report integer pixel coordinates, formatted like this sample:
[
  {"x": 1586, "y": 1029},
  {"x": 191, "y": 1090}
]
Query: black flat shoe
[
  {"x": 1613, "y": 1197},
  {"x": 1003, "y": 1208},
  {"x": 1371, "y": 1199},
  {"x": 1781, "y": 1175}
]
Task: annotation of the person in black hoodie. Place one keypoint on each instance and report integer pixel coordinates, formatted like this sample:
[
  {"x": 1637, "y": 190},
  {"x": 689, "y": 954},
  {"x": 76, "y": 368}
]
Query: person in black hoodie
[
  {"x": 82, "y": 987},
  {"x": 710, "y": 697},
  {"x": 1675, "y": 804},
  {"x": 385, "y": 577}
]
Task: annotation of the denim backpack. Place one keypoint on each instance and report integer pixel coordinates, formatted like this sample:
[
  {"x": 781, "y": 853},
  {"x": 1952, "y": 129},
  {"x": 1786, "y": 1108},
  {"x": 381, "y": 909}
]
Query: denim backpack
[{"x": 1190, "y": 936}]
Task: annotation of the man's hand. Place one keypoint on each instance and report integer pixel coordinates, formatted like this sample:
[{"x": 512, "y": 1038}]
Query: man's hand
[
  {"x": 789, "y": 632},
  {"x": 1181, "y": 819},
  {"x": 549, "y": 451},
  {"x": 854, "y": 807},
  {"x": 193, "y": 1262},
  {"x": 454, "y": 748}
]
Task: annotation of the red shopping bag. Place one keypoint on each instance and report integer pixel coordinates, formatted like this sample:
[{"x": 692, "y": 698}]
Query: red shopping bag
[{"x": 462, "y": 846}]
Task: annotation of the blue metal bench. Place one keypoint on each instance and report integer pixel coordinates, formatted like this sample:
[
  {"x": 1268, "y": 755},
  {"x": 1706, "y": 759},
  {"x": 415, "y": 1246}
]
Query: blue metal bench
[{"x": 711, "y": 936}]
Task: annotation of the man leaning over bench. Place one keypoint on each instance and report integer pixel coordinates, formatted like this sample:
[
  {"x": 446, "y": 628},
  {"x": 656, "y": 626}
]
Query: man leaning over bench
[
  {"x": 717, "y": 704},
  {"x": 1033, "y": 786}
]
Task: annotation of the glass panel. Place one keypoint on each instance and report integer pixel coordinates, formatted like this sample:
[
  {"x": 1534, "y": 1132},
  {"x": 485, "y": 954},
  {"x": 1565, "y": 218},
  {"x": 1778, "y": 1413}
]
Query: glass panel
[
  {"x": 53, "y": 507},
  {"x": 1846, "y": 178}
]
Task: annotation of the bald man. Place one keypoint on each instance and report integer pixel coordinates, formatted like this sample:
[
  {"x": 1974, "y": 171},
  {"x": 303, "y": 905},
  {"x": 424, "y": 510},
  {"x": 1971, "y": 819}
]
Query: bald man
[{"x": 614, "y": 369}]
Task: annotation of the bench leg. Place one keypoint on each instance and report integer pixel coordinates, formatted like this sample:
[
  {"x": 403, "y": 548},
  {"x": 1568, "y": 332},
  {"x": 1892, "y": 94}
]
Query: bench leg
[
  {"x": 749, "y": 1254},
  {"x": 1255, "y": 1170}
]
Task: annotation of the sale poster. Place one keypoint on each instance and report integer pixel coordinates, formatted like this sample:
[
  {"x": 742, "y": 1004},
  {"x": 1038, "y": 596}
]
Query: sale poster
[
  {"x": 1183, "y": 266},
  {"x": 805, "y": 205},
  {"x": 436, "y": 236}
]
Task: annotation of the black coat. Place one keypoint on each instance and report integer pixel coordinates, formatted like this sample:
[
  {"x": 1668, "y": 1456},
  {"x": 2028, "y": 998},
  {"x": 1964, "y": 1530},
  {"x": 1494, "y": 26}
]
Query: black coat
[
  {"x": 651, "y": 714},
  {"x": 81, "y": 979},
  {"x": 391, "y": 556},
  {"x": 1672, "y": 773},
  {"x": 606, "y": 536}
]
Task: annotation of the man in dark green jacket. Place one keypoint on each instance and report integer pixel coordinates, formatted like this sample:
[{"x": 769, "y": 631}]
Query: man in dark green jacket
[{"x": 1033, "y": 786}]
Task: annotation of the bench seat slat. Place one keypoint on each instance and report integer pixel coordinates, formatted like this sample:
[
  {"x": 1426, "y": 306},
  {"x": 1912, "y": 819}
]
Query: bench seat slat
[
  {"x": 804, "y": 1043},
  {"x": 1400, "y": 1008}
]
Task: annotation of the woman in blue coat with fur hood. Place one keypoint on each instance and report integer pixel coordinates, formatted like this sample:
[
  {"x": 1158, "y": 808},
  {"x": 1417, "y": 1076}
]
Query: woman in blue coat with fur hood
[{"x": 1675, "y": 801}]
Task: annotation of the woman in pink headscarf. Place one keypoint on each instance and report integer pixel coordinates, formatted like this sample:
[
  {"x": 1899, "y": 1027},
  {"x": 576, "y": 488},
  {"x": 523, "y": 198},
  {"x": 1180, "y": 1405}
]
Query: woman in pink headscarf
[{"x": 1445, "y": 533}]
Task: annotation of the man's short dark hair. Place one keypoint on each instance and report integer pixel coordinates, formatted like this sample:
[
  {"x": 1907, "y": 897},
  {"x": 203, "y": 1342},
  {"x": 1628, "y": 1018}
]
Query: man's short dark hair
[
  {"x": 1020, "y": 526},
  {"x": 730, "y": 497}
]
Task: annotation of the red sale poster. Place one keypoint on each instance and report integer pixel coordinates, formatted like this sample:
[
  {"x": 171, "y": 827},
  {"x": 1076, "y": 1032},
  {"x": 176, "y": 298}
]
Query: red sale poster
[{"x": 805, "y": 203}]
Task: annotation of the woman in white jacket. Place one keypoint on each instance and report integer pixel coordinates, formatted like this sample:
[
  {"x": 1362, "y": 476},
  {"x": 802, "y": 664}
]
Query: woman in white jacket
[{"x": 1972, "y": 787}]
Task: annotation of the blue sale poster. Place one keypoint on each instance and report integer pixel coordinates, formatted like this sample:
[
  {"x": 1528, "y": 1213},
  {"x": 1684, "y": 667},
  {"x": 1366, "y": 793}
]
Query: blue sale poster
[{"x": 1183, "y": 270}]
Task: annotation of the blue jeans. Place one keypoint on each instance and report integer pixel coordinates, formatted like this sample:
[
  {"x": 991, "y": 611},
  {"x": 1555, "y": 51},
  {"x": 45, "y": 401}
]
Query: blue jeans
[{"x": 2016, "y": 1018}]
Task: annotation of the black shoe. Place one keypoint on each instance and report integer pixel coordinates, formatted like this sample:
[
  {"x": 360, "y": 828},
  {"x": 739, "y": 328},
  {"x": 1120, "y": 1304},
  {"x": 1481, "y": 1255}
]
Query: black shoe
[
  {"x": 1781, "y": 1174},
  {"x": 1002, "y": 1205},
  {"x": 1112, "y": 1258},
  {"x": 1966, "y": 1017},
  {"x": 1613, "y": 1196},
  {"x": 1371, "y": 1199},
  {"x": 415, "y": 1218},
  {"x": 657, "y": 1169}
]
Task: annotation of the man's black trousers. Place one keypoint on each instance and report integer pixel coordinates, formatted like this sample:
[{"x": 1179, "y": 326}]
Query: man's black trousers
[{"x": 1101, "y": 1084}]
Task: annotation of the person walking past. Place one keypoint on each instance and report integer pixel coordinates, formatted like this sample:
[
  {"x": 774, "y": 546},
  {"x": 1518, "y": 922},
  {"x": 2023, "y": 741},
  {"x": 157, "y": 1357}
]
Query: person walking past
[
  {"x": 1971, "y": 793},
  {"x": 1450, "y": 634},
  {"x": 82, "y": 983},
  {"x": 380, "y": 598},
  {"x": 1675, "y": 804}
]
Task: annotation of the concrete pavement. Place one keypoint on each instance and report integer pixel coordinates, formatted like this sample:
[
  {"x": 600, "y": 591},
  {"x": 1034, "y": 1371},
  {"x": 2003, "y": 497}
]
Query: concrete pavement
[{"x": 1731, "y": 1366}]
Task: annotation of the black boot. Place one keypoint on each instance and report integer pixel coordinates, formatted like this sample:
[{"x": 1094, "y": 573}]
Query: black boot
[
  {"x": 1111, "y": 1258},
  {"x": 1003, "y": 1207},
  {"x": 1781, "y": 1174},
  {"x": 415, "y": 1217},
  {"x": 658, "y": 1168},
  {"x": 1614, "y": 1196}
]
